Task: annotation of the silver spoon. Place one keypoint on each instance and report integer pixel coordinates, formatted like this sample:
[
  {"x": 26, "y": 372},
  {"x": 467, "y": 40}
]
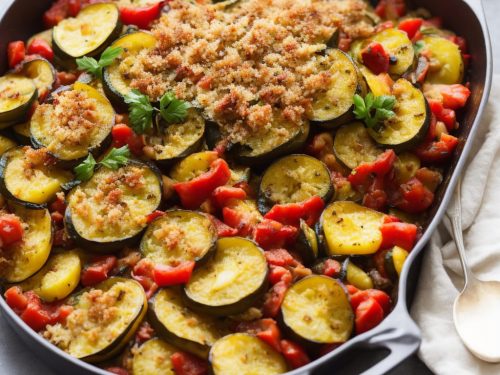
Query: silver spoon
[{"x": 476, "y": 311}]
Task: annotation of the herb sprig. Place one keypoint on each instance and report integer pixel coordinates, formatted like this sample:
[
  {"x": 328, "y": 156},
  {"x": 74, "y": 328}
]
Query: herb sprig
[
  {"x": 116, "y": 158},
  {"x": 373, "y": 110},
  {"x": 91, "y": 65}
]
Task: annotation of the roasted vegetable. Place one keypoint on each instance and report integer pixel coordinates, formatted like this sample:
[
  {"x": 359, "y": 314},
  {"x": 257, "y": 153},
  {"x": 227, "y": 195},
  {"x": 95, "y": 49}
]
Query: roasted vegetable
[
  {"x": 17, "y": 95},
  {"x": 42, "y": 73},
  {"x": 307, "y": 243},
  {"x": 153, "y": 357},
  {"x": 398, "y": 45},
  {"x": 447, "y": 66}
]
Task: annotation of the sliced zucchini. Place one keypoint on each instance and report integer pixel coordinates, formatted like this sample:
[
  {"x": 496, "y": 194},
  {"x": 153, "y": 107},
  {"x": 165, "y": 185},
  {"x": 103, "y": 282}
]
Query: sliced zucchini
[
  {"x": 231, "y": 282},
  {"x": 87, "y": 34},
  {"x": 357, "y": 277},
  {"x": 405, "y": 167},
  {"x": 21, "y": 133},
  {"x": 307, "y": 244},
  {"x": 28, "y": 178},
  {"x": 180, "y": 326},
  {"x": 57, "y": 278},
  {"x": 353, "y": 145},
  {"x": 42, "y": 73},
  {"x": 17, "y": 95},
  {"x": 109, "y": 211},
  {"x": 270, "y": 142},
  {"x": 447, "y": 65},
  {"x": 350, "y": 228},
  {"x": 153, "y": 357},
  {"x": 294, "y": 179},
  {"x": 377, "y": 85},
  {"x": 77, "y": 122},
  {"x": 6, "y": 144},
  {"x": 397, "y": 44},
  {"x": 103, "y": 321},
  {"x": 411, "y": 121},
  {"x": 395, "y": 260},
  {"x": 193, "y": 166},
  {"x": 179, "y": 236},
  {"x": 117, "y": 75},
  {"x": 316, "y": 309},
  {"x": 244, "y": 354},
  {"x": 26, "y": 257},
  {"x": 333, "y": 106},
  {"x": 175, "y": 141}
]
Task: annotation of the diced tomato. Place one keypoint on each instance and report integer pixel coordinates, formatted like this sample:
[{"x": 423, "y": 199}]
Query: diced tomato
[
  {"x": 345, "y": 41},
  {"x": 375, "y": 58},
  {"x": 143, "y": 273},
  {"x": 391, "y": 9},
  {"x": 16, "y": 51},
  {"x": 164, "y": 275},
  {"x": 246, "y": 187},
  {"x": 66, "y": 78},
  {"x": 278, "y": 273},
  {"x": 280, "y": 257},
  {"x": 40, "y": 47},
  {"x": 391, "y": 219},
  {"x": 60, "y": 10},
  {"x": 11, "y": 229},
  {"x": 351, "y": 289},
  {"x": 117, "y": 370},
  {"x": 271, "y": 234},
  {"x": 197, "y": 190},
  {"x": 188, "y": 364},
  {"x": 294, "y": 354},
  {"x": 98, "y": 270},
  {"x": 454, "y": 96},
  {"x": 265, "y": 329},
  {"x": 384, "y": 26},
  {"x": 291, "y": 213},
  {"x": 273, "y": 299},
  {"x": 57, "y": 217},
  {"x": 140, "y": 16},
  {"x": 241, "y": 221},
  {"x": 398, "y": 234},
  {"x": 223, "y": 230},
  {"x": 460, "y": 42},
  {"x": 379, "y": 261},
  {"x": 447, "y": 116},
  {"x": 362, "y": 174},
  {"x": 124, "y": 135},
  {"x": 434, "y": 152},
  {"x": 415, "y": 197},
  {"x": 74, "y": 7},
  {"x": 362, "y": 295},
  {"x": 430, "y": 178},
  {"x": 223, "y": 194},
  {"x": 154, "y": 215},
  {"x": 144, "y": 333},
  {"x": 16, "y": 299},
  {"x": 410, "y": 26},
  {"x": 332, "y": 268},
  {"x": 369, "y": 314},
  {"x": 376, "y": 197}
]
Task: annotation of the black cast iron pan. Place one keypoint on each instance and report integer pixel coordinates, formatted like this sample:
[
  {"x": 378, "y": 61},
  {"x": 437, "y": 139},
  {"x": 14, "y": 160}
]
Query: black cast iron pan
[{"x": 397, "y": 337}]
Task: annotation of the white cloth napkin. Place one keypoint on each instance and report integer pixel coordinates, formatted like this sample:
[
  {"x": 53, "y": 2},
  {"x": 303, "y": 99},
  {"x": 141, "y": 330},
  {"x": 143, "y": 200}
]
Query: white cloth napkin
[{"x": 441, "y": 277}]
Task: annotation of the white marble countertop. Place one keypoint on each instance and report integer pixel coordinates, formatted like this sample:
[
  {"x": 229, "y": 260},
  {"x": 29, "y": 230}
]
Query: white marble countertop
[{"x": 17, "y": 359}]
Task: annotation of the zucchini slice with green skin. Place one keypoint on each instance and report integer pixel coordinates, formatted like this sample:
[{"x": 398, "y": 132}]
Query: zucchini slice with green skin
[
  {"x": 353, "y": 145},
  {"x": 447, "y": 65},
  {"x": 231, "y": 282},
  {"x": 21, "y": 133},
  {"x": 307, "y": 244},
  {"x": 394, "y": 261},
  {"x": 71, "y": 131},
  {"x": 193, "y": 165},
  {"x": 27, "y": 179},
  {"x": 87, "y": 34},
  {"x": 245, "y": 354},
  {"x": 108, "y": 212},
  {"x": 17, "y": 95},
  {"x": 351, "y": 229},
  {"x": 122, "y": 305},
  {"x": 57, "y": 278},
  {"x": 28, "y": 256},
  {"x": 375, "y": 83},
  {"x": 194, "y": 238},
  {"x": 173, "y": 321},
  {"x": 115, "y": 77},
  {"x": 42, "y": 73},
  {"x": 6, "y": 144},
  {"x": 334, "y": 106},
  {"x": 411, "y": 121},
  {"x": 153, "y": 357},
  {"x": 173, "y": 142},
  {"x": 317, "y": 310},
  {"x": 294, "y": 179},
  {"x": 356, "y": 276},
  {"x": 397, "y": 44}
]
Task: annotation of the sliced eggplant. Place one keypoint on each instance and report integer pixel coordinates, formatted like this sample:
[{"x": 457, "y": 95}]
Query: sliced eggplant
[
  {"x": 294, "y": 179},
  {"x": 394, "y": 261},
  {"x": 109, "y": 211},
  {"x": 103, "y": 320},
  {"x": 317, "y": 310},
  {"x": 244, "y": 354},
  {"x": 17, "y": 95},
  {"x": 399, "y": 47},
  {"x": 307, "y": 244},
  {"x": 447, "y": 65},
  {"x": 21, "y": 133},
  {"x": 57, "y": 278},
  {"x": 116, "y": 76},
  {"x": 180, "y": 326},
  {"x": 172, "y": 142},
  {"x": 351, "y": 229},
  {"x": 376, "y": 83},
  {"x": 87, "y": 34},
  {"x": 334, "y": 105},
  {"x": 193, "y": 166},
  {"x": 231, "y": 282},
  {"x": 42, "y": 73},
  {"x": 179, "y": 236},
  {"x": 411, "y": 121},
  {"x": 405, "y": 167},
  {"x": 6, "y": 144},
  {"x": 153, "y": 357},
  {"x": 28, "y": 178},
  {"x": 75, "y": 123},
  {"x": 353, "y": 145},
  {"x": 27, "y": 257}
]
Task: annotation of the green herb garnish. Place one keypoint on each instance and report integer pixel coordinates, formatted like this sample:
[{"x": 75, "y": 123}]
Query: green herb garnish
[
  {"x": 85, "y": 169},
  {"x": 116, "y": 158},
  {"x": 95, "y": 67},
  {"x": 374, "y": 110},
  {"x": 419, "y": 46}
]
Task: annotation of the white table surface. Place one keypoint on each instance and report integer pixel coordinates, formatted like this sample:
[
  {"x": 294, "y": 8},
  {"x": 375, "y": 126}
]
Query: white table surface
[{"x": 17, "y": 359}]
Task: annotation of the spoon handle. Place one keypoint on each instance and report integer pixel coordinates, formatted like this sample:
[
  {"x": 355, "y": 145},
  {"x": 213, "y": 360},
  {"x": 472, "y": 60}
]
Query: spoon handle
[{"x": 456, "y": 224}]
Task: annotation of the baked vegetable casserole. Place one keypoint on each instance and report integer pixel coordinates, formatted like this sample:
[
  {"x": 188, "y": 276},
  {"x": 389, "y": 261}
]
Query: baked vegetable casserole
[{"x": 192, "y": 187}]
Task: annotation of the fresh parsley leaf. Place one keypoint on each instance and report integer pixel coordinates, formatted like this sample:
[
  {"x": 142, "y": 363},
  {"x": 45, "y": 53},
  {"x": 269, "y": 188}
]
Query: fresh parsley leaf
[
  {"x": 95, "y": 67},
  {"x": 173, "y": 110},
  {"x": 140, "y": 111},
  {"x": 116, "y": 158},
  {"x": 89, "y": 64},
  {"x": 374, "y": 110},
  {"x": 109, "y": 55},
  {"x": 419, "y": 46},
  {"x": 85, "y": 169}
]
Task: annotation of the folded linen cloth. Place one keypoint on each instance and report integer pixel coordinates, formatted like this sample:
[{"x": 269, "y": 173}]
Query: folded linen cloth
[{"x": 441, "y": 278}]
